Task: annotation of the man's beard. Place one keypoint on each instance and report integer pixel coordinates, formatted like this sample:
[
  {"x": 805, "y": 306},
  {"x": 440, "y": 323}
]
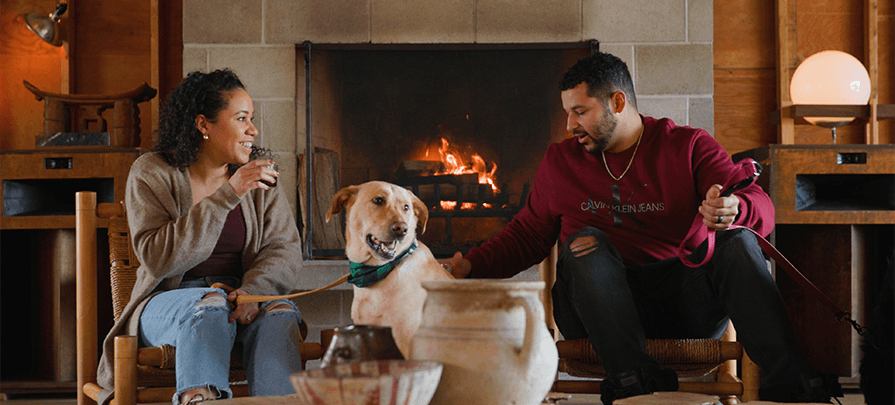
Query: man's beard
[{"x": 604, "y": 130}]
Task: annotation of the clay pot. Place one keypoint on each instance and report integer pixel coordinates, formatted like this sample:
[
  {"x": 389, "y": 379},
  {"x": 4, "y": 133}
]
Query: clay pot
[
  {"x": 356, "y": 343},
  {"x": 491, "y": 338}
]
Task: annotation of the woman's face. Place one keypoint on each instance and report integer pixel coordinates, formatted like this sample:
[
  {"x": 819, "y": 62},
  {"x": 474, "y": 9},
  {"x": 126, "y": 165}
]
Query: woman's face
[{"x": 231, "y": 133}]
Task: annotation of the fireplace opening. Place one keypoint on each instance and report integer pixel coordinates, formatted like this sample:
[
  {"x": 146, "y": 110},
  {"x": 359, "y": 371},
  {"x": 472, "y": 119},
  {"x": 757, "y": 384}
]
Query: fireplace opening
[{"x": 392, "y": 113}]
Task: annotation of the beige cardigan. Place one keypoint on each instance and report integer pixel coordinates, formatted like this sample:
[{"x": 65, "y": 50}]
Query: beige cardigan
[{"x": 171, "y": 235}]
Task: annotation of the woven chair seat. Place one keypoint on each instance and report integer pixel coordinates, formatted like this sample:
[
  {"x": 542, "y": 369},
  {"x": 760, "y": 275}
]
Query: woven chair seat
[
  {"x": 124, "y": 264},
  {"x": 688, "y": 357},
  {"x": 582, "y": 369}
]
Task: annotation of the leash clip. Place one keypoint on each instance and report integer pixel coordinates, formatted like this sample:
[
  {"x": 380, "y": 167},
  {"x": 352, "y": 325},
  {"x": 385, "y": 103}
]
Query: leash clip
[
  {"x": 752, "y": 175},
  {"x": 846, "y": 316}
]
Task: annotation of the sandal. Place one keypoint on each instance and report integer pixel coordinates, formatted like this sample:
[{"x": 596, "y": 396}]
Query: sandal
[{"x": 195, "y": 399}]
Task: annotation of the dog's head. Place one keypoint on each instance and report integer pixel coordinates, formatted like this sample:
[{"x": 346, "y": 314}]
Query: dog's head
[{"x": 381, "y": 220}]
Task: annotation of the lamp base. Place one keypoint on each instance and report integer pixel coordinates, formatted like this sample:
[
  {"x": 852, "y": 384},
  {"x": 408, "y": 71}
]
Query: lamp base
[{"x": 832, "y": 126}]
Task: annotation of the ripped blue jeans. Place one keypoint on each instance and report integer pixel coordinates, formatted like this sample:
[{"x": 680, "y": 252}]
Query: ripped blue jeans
[{"x": 199, "y": 327}]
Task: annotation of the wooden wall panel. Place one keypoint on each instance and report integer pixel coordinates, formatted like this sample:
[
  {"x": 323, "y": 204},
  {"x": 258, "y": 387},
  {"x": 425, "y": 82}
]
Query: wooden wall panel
[
  {"x": 113, "y": 51},
  {"x": 744, "y": 36},
  {"x": 886, "y": 79},
  {"x": 820, "y": 31},
  {"x": 744, "y": 53},
  {"x": 744, "y": 101},
  {"x": 24, "y": 56}
]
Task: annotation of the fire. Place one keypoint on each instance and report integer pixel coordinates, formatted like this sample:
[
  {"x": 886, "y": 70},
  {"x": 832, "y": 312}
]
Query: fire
[
  {"x": 450, "y": 205},
  {"x": 454, "y": 164}
]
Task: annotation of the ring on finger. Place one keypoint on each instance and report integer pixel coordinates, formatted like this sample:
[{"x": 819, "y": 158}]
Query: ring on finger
[{"x": 720, "y": 218}]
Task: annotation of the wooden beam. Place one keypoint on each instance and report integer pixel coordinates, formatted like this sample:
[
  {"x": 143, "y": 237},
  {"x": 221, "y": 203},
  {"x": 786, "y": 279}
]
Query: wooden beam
[
  {"x": 786, "y": 129},
  {"x": 798, "y": 112},
  {"x": 67, "y": 24},
  {"x": 871, "y": 59},
  {"x": 155, "y": 68}
]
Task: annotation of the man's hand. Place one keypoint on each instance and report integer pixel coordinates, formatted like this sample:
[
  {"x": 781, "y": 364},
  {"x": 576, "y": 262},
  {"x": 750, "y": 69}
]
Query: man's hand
[
  {"x": 719, "y": 212},
  {"x": 457, "y": 265},
  {"x": 244, "y": 313}
]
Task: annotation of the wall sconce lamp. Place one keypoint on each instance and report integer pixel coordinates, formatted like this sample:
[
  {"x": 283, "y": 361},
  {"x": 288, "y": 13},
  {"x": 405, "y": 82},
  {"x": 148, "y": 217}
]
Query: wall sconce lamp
[
  {"x": 46, "y": 27},
  {"x": 830, "y": 78}
]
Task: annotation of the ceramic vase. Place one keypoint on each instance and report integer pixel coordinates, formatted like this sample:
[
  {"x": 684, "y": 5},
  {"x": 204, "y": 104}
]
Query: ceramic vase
[{"x": 492, "y": 340}]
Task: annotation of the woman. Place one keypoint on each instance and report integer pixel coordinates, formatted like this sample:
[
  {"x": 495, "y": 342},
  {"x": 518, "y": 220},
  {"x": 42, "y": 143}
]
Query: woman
[{"x": 199, "y": 212}]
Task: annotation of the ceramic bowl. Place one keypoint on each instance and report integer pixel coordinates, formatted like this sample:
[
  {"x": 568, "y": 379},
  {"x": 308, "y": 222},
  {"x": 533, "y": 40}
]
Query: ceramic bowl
[{"x": 409, "y": 382}]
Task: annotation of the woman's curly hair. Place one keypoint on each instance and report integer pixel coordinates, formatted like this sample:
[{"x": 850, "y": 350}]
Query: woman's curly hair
[{"x": 178, "y": 138}]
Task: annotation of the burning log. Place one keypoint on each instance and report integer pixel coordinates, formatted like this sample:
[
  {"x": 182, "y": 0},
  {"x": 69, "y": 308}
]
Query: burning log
[
  {"x": 415, "y": 168},
  {"x": 458, "y": 188}
]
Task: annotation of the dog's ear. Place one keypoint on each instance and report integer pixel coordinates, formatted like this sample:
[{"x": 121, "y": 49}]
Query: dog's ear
[
  {"x": 421, "y": 212},
  {"x": 340, "y": 200}
]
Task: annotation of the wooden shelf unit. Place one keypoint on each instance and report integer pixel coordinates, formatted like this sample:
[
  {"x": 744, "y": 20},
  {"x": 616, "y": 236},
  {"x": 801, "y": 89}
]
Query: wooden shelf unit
[
  {"x": 37, "y": 271},
  {"x": 835, "y": 216}
]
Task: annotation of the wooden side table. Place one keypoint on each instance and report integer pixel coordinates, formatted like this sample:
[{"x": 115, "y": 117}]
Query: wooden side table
[
  {"x": 835, "y": 216},
  {"x": 37, "y": 273}
]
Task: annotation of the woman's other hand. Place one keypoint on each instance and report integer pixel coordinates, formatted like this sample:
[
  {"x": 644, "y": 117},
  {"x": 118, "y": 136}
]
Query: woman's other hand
[{"x": 244, "y": 313}]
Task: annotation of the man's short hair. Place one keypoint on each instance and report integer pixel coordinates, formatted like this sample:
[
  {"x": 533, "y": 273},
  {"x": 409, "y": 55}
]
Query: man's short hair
[{"x": 604, "y": 74}]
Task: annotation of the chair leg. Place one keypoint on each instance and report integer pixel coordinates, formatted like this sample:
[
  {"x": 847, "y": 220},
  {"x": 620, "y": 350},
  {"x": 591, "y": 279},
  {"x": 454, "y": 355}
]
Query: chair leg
[
  {"x": 727, "y": 372},
  {"x": 751, "y": 379},
  {"x": 126, "y": 370},
  {"x": 85, "y": 287}
]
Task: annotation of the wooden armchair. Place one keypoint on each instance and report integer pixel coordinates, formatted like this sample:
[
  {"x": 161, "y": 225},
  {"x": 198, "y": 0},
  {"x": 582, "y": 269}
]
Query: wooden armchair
[
  {"x": 705, "y": 366},
  {"x": 141, "y": 375}
]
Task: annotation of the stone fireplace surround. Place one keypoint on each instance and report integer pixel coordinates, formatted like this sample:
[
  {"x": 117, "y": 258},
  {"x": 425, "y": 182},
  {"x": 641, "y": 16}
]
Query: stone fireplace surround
[{"x": 658, "y": 39}]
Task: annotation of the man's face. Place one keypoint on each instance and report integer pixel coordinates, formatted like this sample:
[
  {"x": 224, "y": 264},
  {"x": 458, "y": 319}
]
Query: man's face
[{"x": 588, "y": 119}]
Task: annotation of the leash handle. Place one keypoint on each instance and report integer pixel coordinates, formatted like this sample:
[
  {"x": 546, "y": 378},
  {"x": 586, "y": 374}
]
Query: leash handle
[
  {"x": 245, "y": 299},
  {"x": 752, "y": 169}
]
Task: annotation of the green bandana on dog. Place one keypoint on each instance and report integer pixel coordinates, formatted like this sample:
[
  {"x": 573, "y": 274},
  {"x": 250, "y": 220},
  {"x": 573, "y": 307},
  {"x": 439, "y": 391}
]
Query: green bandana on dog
[{"x": 365, "y": 276}]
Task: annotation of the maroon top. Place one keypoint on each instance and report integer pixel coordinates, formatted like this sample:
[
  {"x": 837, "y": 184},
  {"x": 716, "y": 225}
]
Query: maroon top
[
  {"x": 646, "y": 214},
  {"x": 226, "y": 258}
]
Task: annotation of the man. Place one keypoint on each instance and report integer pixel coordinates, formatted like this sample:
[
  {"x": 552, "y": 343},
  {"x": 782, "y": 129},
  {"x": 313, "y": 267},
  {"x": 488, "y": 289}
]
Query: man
[{"x": 620, "y": 196}]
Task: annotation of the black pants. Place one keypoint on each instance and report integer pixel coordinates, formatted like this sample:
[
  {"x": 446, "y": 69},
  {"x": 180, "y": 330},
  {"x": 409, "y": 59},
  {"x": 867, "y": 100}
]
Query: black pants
[{"x": 618, "y": 307}]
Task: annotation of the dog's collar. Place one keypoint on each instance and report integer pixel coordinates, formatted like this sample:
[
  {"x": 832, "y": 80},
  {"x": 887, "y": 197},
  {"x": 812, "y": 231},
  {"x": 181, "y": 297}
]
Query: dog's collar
[{"x": 365, "y": 276}]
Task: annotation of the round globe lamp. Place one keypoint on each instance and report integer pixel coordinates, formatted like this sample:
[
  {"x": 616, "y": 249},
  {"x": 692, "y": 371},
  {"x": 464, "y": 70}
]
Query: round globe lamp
[{"x": 830, "y": 78}]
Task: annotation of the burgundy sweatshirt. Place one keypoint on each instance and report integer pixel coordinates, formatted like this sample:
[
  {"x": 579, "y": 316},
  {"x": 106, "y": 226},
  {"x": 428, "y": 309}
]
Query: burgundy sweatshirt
[{"x": 646, "y": 214}]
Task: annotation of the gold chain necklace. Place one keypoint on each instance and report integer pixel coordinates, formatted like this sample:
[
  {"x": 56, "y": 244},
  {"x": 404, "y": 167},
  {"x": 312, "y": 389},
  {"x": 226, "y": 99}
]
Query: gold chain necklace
[{"x": 602, "y": 153}]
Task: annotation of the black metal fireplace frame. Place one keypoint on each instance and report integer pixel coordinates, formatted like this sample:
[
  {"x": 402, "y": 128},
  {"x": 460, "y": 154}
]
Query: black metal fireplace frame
[{"x": 307, "y": 46}]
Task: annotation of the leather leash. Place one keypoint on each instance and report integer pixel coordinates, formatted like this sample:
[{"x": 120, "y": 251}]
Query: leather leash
[
  {"x": 244, "y": 299},
  {"x": 753, "y": 170}
]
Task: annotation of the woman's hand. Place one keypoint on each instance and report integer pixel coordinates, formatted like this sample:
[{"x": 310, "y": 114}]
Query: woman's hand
[
  {"x": 244, "y": 313},
  {"x": 719, "y": 212},
  {"x": 250, "y": 176}
]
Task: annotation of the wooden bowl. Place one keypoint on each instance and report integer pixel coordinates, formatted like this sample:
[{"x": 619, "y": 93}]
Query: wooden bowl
[{"x": 409, "y": 382}]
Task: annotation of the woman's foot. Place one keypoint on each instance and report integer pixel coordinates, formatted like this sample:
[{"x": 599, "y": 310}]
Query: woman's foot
[{"x": 197, "y": 395}]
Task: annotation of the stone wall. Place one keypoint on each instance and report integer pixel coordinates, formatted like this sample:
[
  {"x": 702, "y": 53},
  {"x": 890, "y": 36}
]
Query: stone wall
[{"x": 667, "y": 44}]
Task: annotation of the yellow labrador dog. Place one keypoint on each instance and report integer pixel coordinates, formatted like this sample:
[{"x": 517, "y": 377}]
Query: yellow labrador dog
[{"x": 387, "y": 262}]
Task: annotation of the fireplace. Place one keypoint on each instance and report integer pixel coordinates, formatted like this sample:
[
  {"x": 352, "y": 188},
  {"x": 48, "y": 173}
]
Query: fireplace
[{"x": 382, "y": 112}]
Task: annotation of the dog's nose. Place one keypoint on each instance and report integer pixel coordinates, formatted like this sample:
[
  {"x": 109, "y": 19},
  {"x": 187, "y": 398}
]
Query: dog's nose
[{"x": 399, "y": 228}]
